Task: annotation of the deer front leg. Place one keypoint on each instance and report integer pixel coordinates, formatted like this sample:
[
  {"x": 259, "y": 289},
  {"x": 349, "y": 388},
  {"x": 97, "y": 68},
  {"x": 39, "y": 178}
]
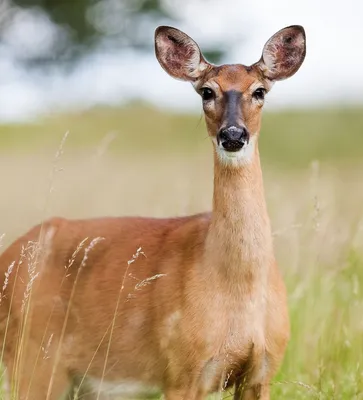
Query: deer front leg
[
  {"x": 260, "y": 392},
  {"x": 256, "y": 392}
]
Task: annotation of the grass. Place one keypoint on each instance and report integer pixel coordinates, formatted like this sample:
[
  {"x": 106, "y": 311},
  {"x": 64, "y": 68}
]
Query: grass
[
  {"x": 324, "y": 356},
  {"x": 116, "y": 162}
]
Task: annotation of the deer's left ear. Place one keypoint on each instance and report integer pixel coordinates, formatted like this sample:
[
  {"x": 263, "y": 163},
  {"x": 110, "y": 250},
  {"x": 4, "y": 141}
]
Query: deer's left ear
[{"x": 283, "y": 53}]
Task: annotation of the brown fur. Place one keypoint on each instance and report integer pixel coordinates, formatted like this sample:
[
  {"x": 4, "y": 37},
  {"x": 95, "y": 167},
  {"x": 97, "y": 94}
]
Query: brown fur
[
  {"x": 202, "y": 306},
  {"x": 241, "y": 79}
]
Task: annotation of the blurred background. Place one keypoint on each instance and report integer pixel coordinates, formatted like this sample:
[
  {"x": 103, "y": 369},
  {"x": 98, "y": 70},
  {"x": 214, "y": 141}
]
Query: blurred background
[
  {"x": 90, "y": 125},
  {"x": 58, "y": 55}
]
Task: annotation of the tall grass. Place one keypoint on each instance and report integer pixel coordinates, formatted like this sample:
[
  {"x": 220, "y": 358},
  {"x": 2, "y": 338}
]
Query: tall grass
[{"x": 163, "y": 167}]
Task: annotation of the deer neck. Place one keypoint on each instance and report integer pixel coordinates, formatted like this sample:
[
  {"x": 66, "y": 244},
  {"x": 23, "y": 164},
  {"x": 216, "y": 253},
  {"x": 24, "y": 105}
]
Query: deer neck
[{"x": 239, "y": 241}]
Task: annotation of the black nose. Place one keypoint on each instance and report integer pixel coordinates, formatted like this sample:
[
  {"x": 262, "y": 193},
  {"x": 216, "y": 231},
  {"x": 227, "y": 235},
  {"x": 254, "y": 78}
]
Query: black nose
[{"x": 233, "y": 138}]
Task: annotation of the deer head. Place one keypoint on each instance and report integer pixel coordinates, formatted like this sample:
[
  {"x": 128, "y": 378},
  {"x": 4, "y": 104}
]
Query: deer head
[{"x": 232, "y": 95}]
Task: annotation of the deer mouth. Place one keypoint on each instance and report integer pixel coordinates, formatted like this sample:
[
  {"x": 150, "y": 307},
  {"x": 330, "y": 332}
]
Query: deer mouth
[{"x": 232, "y": 145}]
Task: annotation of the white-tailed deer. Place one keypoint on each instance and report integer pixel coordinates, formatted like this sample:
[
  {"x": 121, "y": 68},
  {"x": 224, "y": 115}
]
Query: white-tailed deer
[{"x": 201, "y": 307}]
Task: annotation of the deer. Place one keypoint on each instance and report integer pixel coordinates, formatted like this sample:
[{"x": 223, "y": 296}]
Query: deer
[{"x": 125, "y": 307}]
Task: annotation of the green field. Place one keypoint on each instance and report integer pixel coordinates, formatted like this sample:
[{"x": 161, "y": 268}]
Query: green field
[
  {"x": 140, "y": 161},
  {"x": 291, "y": 138}
]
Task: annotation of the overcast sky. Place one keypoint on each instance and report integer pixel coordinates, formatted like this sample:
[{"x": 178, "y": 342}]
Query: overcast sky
[{"x": 331, "y": 74}]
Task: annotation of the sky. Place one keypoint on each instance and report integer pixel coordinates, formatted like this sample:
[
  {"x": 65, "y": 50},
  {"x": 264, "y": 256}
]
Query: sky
[{"x": 331, "y": 73}]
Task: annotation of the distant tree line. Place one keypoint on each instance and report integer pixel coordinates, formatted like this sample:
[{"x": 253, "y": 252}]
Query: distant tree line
[{"x": 84, "y": 24}]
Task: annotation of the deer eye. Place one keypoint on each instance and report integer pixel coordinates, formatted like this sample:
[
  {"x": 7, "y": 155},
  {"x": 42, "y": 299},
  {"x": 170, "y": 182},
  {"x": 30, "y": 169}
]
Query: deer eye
[
  {"x": 259, "y": 94},
  {"x": 207, "y": 94}
]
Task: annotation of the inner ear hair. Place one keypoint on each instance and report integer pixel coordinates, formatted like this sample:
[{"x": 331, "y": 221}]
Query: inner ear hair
[
  {"x": 179, "y": 54},
  {"x": 283, "y": 53}
]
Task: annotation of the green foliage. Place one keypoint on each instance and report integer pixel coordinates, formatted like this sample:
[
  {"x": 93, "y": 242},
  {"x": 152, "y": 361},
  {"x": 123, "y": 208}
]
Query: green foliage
[
  {"x": 71, "y": 14},
  {"x": 85, "y": 23}
]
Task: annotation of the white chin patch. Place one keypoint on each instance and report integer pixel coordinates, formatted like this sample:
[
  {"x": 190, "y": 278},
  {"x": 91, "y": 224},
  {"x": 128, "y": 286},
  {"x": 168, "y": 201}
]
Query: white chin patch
[{"x": 237, "y": 158}]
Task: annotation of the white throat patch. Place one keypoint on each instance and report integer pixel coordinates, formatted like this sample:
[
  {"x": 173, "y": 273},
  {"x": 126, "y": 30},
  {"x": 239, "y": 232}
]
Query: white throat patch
[{"x": 237, "y": 158}]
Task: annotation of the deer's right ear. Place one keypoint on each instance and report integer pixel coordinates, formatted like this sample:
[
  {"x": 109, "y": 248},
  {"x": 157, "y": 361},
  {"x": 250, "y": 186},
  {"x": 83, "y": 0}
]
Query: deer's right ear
[{"x": 178, "y": 54}]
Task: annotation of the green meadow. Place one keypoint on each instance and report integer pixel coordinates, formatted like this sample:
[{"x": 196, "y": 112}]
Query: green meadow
[{"x": 141, "y": 161}]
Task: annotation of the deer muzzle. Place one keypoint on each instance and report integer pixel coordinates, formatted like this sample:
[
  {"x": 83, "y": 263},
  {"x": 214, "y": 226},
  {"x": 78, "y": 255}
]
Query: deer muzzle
[{"x": 233, "y": 138}]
